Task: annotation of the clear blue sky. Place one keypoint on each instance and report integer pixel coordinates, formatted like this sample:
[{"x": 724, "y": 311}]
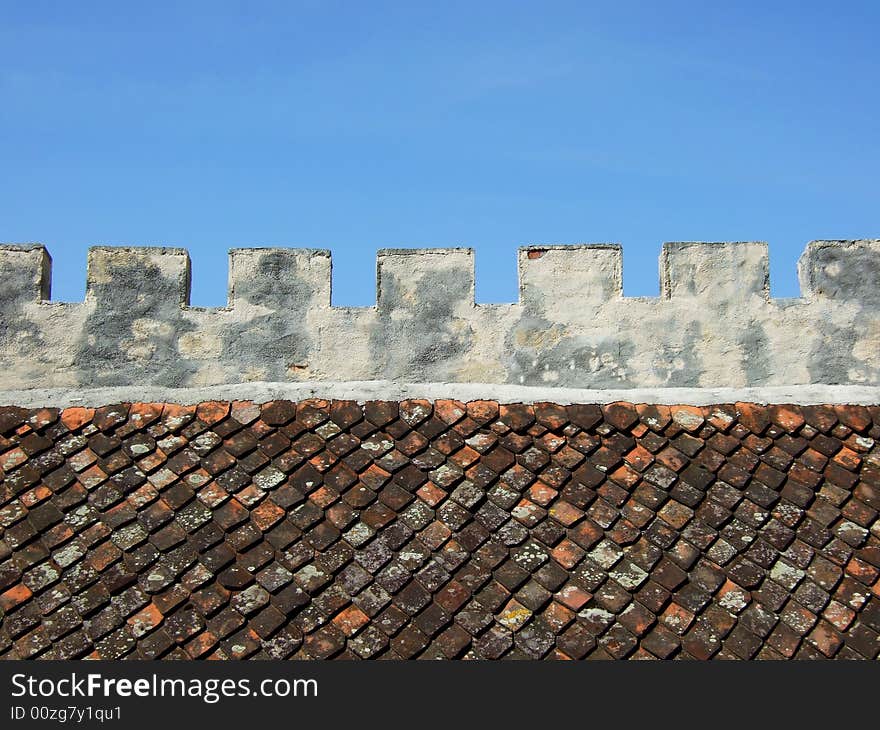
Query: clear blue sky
[{"x": 360, "y": 125}]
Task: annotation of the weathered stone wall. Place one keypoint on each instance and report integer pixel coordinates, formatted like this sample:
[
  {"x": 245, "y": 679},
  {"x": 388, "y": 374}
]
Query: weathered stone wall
[{"x": 714, "y": 324}]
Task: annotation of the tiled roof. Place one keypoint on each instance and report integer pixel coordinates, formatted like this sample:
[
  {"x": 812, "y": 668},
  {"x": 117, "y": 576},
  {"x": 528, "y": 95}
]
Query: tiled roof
[{"x": 415, "y": 529}]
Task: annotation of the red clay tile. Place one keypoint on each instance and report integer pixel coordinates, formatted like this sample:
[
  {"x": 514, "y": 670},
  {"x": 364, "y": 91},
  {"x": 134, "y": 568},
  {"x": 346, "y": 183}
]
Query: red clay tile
[{"x": 546, "y": 518}]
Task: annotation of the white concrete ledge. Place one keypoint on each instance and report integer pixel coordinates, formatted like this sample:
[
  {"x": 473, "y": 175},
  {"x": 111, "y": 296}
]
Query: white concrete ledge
[{"x": 387, "y": 390}]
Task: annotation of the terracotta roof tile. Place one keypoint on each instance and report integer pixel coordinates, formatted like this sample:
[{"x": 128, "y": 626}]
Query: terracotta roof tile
[{"x": 330, "y": 529}]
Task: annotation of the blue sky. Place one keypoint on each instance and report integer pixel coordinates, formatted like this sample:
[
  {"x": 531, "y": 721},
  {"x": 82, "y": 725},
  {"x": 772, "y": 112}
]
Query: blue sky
[{"x": 357, "y": 126}]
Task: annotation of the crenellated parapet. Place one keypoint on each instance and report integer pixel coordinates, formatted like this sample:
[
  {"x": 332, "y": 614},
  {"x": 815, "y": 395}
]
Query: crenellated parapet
[{"x": 713, "y": 325}]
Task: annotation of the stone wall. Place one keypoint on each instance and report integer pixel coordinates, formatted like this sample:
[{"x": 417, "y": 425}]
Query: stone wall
[{"x": 714, "y": 324}]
